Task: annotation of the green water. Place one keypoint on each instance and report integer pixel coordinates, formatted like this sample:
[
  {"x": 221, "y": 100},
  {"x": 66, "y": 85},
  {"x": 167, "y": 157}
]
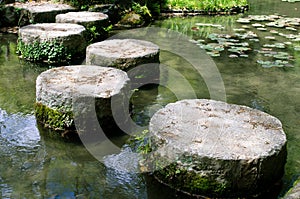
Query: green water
[{"x": 34, "y": 164}]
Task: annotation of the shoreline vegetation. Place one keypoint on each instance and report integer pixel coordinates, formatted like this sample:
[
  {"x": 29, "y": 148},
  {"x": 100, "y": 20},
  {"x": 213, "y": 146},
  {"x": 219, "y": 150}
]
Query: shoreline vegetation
[{"x": 147, "y": 9}]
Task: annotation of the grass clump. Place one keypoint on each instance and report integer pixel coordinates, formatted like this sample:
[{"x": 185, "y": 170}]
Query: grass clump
[{"x": 205, "y": 5}]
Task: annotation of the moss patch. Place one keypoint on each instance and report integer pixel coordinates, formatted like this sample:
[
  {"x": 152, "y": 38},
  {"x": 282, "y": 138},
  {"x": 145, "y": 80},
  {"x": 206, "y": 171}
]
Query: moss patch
[
  {"x": 54, "y": 119},
  {"x": 191, "y": 182}
]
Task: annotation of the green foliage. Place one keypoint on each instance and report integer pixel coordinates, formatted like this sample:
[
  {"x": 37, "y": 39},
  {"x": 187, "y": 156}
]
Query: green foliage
[
  {"x": 51, "y": 52},
  {"x": 142, "y": 10},
  {"x": 204, "y": 5},
  {"x": 54, "y": 119},
  {"x": 141, "y": 143},
  {"x": 98, "y": 33}
]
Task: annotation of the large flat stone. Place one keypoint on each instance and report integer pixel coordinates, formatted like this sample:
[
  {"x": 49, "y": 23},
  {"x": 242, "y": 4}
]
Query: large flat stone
[
  {"x": 43, "y": 12},
  {"x": 67, "y": 92},
  {"x": 70, "y": 36},
  {"x": 122, "y": 53},
  {"x": 217, "y": 149},
  {"x": 83, "y": 18}
]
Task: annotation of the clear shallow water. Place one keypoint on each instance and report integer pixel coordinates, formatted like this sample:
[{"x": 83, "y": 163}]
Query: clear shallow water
[{"x": 34, "y": 164}]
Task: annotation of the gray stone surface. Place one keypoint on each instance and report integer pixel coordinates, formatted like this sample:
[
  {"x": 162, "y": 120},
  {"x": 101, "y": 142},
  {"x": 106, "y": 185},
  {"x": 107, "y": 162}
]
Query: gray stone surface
[
  {"x": 122, "y": 53},
  {"x": 228, "y": 149},
  {"x": 44, "y": 12},
  {"x": 56, "y": 87},
  {"x": 70, "y": 35},
  {"x": 294, "y": 192},
  {"x": 83, "y": 90},
  {"x": 83, "y": 18}
]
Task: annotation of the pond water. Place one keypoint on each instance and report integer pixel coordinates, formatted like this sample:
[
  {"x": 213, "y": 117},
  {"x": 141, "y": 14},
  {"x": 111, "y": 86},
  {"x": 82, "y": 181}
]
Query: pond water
[{"x": 36, "y": 164}]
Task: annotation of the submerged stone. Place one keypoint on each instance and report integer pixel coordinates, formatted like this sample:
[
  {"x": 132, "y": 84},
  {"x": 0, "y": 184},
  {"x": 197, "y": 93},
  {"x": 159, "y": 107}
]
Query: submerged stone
[
  {"x": 207, "y": 147},
  {"x": 66, "y": 92}
]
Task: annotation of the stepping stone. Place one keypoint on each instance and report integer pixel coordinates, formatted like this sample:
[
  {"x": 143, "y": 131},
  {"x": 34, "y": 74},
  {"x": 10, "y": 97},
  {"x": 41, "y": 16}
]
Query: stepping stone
[
  {"x": 126, "y": 54},
  {"x": 87, "y": 19},
  {"x": 43, "y": 12},
  {"x": 70, "y": 36},
  {"x": 94, "y": 22},
  {"x": 81, "y": 91},
  {"x": 207, "y": 147}
]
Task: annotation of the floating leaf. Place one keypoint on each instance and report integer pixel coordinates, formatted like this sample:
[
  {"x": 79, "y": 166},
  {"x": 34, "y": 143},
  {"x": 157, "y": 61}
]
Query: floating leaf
[
  {"x": 291, "y": 28},
  {"x": 297, "y": 48},
  {"x": 256, "y": 25},
  {"x": 239, "y": 30},
  {"x": 270, "y": 37},
  {"x": 279, "y": 45},
  {"x": 244, "y": 55},
  {"x": 213, "y": 54},
  {"x": 243, "y": 20},
  {"x": 262, "y": 29},
  {"x": 233, "y": 56},
  {"x": 274, "y": 32}
]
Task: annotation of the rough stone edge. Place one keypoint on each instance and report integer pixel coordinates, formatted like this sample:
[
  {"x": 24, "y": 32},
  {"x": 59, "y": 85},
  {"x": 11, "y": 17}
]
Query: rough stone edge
[{"x": 213, "y": 187}]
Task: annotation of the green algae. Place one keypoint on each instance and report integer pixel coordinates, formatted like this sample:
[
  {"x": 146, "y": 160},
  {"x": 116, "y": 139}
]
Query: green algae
[{"x": 54, "y": 118}]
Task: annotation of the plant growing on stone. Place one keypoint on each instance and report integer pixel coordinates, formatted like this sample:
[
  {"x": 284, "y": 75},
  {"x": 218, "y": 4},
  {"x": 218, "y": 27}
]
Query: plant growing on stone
[
  {"x": 141, "y": 143},
  {"x": 50, "y": 51},
  {"x": 54, "y": 119}
]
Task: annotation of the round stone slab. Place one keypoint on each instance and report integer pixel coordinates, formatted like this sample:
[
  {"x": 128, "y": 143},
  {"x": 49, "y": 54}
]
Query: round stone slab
[
  {"x": 212, "y": 148},
  {"x": 43, "y": 12},
  {"x": 70, "y": 35},
  {"x": 59, "y": 89},
  {"x": 83, "y": 18},
  {"x": 122, "y": 53}
]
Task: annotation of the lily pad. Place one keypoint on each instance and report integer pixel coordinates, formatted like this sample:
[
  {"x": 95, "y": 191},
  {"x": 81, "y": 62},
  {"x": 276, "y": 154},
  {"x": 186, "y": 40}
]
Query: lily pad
[
  {"x": 291, "y": 28},
  {"x": 262, "y": 29},
  {"x": 233, "y": 56},
  {"x": 274, "y": 32},
  {"x": 213, "y": 54},
  {"x": 243, "y": 20},
  {"x": 297, "y": 48},
  {"x": 256, "y": 25},
  {"x": 270, "y": 37}
]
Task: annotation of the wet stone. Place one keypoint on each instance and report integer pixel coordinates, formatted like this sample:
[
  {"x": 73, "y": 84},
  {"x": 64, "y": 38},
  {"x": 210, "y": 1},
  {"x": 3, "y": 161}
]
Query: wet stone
[
  {"x": 81, "y": 91},
  {"x": 87, "y": 19},
  {"x": 43, "y": 12},
  {"x": 139, "y": 57},
  {"x": 207, "y": 147},
  {"x": 69, "y": 35}
]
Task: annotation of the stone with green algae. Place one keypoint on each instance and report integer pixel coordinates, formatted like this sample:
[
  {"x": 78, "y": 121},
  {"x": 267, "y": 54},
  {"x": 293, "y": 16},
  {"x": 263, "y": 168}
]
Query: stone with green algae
[{"x": 211, "y": 148}]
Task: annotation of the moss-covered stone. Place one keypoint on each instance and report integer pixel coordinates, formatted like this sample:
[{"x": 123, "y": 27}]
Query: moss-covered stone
[
  {"x": 50, "y": 51},
  {"x": 191, "y": 182},
  {"x": 54, "y": 118}
]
